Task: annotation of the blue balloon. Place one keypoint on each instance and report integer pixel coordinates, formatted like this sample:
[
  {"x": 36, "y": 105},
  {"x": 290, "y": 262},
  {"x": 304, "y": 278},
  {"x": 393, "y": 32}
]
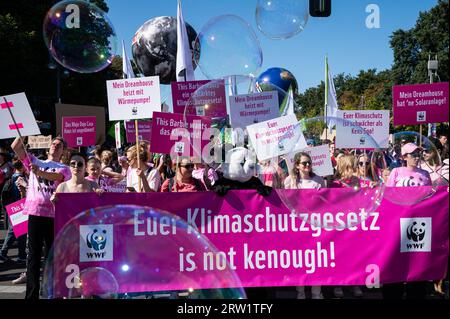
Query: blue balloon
[{"x": 279, "y": 77}]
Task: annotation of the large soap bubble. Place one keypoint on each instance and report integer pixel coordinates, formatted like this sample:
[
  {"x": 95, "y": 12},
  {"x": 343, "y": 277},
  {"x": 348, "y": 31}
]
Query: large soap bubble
[
  {"x": 146, "y": 256},
  {"x": 229, "y": 47},
  {"x": 359, "y": 187},
  {"x": 155, "y": 48},
  {"x": 412, "y": 149},
  {"x": 80, "y": 36},
  {"x": 281, "y": 19},
  {"x": 223, "y": 133}
]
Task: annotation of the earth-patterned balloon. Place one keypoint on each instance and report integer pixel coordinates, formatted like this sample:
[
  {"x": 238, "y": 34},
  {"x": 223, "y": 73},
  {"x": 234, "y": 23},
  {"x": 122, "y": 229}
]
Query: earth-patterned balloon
[
  {"x": 155, "y": 48},
  {"x": 280, "y": 77}
]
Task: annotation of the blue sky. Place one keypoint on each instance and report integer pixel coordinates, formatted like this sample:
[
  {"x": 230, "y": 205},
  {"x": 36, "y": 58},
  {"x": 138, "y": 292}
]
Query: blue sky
[{"x": 350, "y": 45}]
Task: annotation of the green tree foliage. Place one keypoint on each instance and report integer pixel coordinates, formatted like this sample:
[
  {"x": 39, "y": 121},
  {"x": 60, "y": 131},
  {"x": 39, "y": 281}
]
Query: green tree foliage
[{"x": 372, "y": 90}]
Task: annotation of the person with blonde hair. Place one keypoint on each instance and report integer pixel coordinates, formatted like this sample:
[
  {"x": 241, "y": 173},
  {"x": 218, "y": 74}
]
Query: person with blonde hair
[
  {"x": 183, "y": 181},
  {"x": 302, "y": 176},
  {"x": 150, "y": 179}
]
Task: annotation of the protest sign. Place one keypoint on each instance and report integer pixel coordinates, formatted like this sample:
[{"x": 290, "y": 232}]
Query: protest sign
[
  {"x": 132, "y": 99},
  {"x": 79, "y": 131},
  {"x": 362, "y": 129},
  {"x": 420, "y": 103},
  {"x": 19, "y": 221},
  {"x": 39, "y": 142},
  {"x": 253, "y": 108},
  {"x": 320, "y": 156},
  {"x": 72, "y": 110},
  {"x": 276, "y": 137},
  {"x": 117, "y": 135},
  {"x": 23, "y": 115},
  {"x": 144, "y": 131},
  {"x": 202, "y": 98},
  {"x": 181, "y": 135},
  {"x": 262, "y": 241}
]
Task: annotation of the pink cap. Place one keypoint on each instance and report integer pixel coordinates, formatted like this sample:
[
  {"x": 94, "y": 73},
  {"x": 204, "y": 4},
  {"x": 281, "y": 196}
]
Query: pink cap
[{"x": 409, "y": 148}]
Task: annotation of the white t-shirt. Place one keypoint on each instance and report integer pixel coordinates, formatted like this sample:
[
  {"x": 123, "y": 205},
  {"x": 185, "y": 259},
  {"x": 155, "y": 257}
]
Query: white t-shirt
[
  {"x": 315, "y": 182},
  {"x": 153, "y": 178}
]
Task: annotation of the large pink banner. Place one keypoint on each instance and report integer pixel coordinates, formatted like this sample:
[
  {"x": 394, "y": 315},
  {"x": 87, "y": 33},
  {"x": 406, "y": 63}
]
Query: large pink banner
[
  {"x": 79, "y": 130},
  {"x": 263, "y": 241},
  {"x": 18, "y": 220},
  {"x": 420, "y": 103}
]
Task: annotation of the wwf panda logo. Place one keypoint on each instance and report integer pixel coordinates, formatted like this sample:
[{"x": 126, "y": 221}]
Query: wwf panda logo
[
  {"x": 134, "y": 110},
  {"x": 410, "y": 182},
  {"x": 416, "y": 231},
  {"x": 362, "y": 140},
  {"x": 96, "y": 240}
]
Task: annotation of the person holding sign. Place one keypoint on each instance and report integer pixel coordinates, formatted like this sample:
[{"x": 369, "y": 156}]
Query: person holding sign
[
  {"x": 45, "y": 176},
  {"x": 302, "y": 176},
  {"x": 139, "y": 169},
  {"x": 13, "y": 191}
]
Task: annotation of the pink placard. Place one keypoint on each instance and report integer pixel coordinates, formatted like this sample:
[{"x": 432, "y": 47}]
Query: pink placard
[
  {"x": 79, "y": 130},
  {"x": 144, "y": 131},
  {"x": 203, "y": 98},
  {"x": 420, "y": 103},
  {"x": 179, "y": 134},
  {"x": 265, "y": 243},
  {"x": 16, "y": 217}
]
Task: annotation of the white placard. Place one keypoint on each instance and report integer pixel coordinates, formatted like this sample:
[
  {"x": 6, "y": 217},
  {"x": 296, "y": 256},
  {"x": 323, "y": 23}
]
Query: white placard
[
  {"x": 132, "y": 99},
  {"x": 362, "y": 129},
  {"x": 249, "y": 109},
  {"x": 20, "y": 108},
  {"x": 39, "y": 142},
  {"x": 276, "y": 137},
  {"x": 320, "y": 156},
  {"x": 117, "y": 134}
]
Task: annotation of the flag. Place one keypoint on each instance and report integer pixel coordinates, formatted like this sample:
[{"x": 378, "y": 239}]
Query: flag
[
  {"x": 331, "y": 106},
  {"x": 185, "y": 70},
  {"x": 287, "y": 108},
  {"x": 127, "y": 70}
]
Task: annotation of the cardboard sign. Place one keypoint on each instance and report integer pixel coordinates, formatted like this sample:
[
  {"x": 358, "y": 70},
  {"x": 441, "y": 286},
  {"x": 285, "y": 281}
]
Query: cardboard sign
[
  {"x": 144, "y": 131},
  {"x": 19, "y": 221},
  {"x": 420, "y": 103},
  {"x": 177, "y": 134},
  {"x": 253, "y": 108},
  {"x": 79, "y": 131},
  {"x": 362, "y": 129},
  {"x": 39, "y": 142},
  {"x": 68, "y": 110},
  {"x": 202, "y": 98},
  {"x": 276, "y": 137},
  {"x": 320, "y": 156},
  {"x": 132, "y": 99},
  {"x": 21, "y": 110}
]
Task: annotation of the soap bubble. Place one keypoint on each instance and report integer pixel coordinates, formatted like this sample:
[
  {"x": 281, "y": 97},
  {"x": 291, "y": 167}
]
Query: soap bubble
[
  {"x": 223, "y": 132},
  {"x": 281, "y": 19},
  {"x": 428, "y": 159},
  {"x": 229, "y": 47},
  {"x": 80, "y": 36},
  {"x": 358, "y": 192},
  {"x": 129, "y": 251}
]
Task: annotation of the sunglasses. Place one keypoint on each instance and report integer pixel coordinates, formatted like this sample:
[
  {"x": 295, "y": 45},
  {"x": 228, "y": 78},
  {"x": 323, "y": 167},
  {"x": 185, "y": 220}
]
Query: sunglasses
[
  {"x": 363, "y": 163},
  {"x": 415, "y": 155},
  {"x": 306, "y": 163},
  {"x": 76, "y": 164},
  {"x": 188, "y": 166}
]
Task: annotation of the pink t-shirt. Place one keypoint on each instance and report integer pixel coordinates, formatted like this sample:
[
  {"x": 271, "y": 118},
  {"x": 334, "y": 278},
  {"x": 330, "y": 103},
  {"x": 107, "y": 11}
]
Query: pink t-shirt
[
  {"x": 40, "y": 190},
  {"x": 404, "y": 177}
]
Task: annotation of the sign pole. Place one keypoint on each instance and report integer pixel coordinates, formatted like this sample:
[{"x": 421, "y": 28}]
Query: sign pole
[{"x": 138, "y": 153}]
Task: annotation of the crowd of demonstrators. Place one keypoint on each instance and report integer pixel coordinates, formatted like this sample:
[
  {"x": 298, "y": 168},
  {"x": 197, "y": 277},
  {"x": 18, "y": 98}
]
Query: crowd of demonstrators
[{"x": 63, "y": 172}]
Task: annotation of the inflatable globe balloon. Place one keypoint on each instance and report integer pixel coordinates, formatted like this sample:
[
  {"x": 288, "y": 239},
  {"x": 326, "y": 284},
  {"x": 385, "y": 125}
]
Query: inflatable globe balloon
[
  {"x": 279, "y": 77},
  {"x": 155, "y": 48},
  {"x": 80, "y": 36}
]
